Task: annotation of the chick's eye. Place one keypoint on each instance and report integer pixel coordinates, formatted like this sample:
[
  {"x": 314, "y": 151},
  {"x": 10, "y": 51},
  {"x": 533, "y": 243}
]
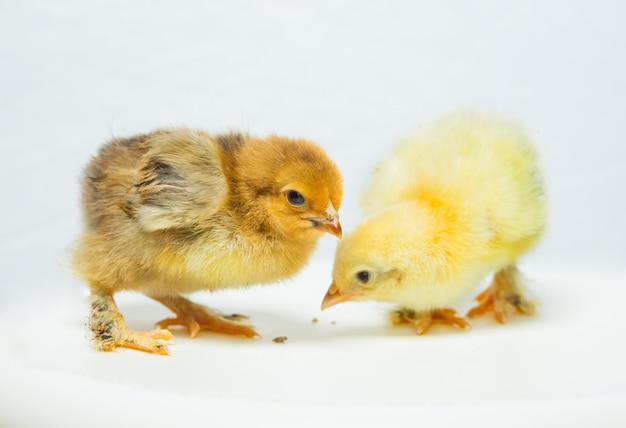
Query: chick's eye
[
  {"x": 295, "y": 198},
  {"x": 363, "y": 276}
]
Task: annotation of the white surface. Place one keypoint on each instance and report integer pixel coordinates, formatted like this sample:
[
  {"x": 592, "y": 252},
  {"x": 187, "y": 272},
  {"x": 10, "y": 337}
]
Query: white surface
[{"x": 351, "y": 76}]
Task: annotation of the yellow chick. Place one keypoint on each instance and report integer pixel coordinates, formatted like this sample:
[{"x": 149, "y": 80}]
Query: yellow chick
[
  {"x": 458, "y": 199},
  {"x": 178, "y": 210}
]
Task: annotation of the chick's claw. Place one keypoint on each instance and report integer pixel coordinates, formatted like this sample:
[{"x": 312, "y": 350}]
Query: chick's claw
[
  {"x": 422, "y": 321},
  {"x": 146, "y": 341},
  {"x": 502, "y": 305},
  {"x": 503, "y": 297},
  {"x": 197, "y": 317},
  {"x": 235, "y": 317}
]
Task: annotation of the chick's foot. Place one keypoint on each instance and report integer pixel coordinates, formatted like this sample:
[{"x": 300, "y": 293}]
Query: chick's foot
[
  {"x": 503, "y": 297},
  {"x": 198, "y": 317},
  {"x": 110, "y": 332},
  {"x": 423, "y": 320}
]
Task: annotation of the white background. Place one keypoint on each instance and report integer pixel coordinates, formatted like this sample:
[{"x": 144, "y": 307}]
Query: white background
[{"x": 352, "y": 76}]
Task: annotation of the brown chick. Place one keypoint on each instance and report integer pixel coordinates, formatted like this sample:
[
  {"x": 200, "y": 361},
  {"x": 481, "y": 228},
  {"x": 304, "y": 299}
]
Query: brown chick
[{"x": 177, "y": 211}]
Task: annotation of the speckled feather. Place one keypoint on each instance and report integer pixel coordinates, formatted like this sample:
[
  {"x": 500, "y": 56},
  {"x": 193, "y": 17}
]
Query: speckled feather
[{"x": 179, "y": 210}]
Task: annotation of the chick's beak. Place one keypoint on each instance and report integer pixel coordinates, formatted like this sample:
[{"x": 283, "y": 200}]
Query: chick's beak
[
  {"x": 333, "y": 297},
  {"x": 330, "y": 222},
  {"x": 333, "y": 227}
]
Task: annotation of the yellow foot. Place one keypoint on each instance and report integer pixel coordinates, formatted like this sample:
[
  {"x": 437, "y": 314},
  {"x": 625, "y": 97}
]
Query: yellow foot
[
  {"x": 503, "y": 297},
  {"x": 197, "y": 317},
  {"x": 423, "y": 320},
  {"x": 110, "y": 332}
]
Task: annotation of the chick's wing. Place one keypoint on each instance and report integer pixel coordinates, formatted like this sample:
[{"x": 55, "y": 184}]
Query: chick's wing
[{"x": 180, "y": 182}]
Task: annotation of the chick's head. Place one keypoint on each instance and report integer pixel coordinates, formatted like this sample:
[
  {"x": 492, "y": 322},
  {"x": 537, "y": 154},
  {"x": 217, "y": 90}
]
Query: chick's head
[
  {"x": 371, "y": 261},
  {"x": 397, "y": 256},
  {"x": 303, "y": 187}
]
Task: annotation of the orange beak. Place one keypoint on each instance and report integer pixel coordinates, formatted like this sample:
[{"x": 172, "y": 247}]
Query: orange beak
[
  {"x": 334, "y": 296},
  {"x": 333, "y": 227},
  {"x": 330, "y": 222}
]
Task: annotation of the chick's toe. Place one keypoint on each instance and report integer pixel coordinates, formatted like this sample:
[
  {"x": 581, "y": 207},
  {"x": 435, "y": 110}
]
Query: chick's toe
[
  {"x": 110, "y": 331},
  {"x": 503, "y": 297},
  {"x": 198, "y": 317},
  {"x": 422, "y": 321}
]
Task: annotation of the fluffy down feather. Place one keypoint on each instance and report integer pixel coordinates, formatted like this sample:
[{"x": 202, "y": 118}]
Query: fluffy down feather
[{"x": 457, "y": 199}]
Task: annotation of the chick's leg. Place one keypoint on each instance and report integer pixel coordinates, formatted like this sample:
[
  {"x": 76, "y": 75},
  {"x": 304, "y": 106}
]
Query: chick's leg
[
  {"x": 197, "y": 317},
  {"x": 110, "y": 332},
  {"x": 503, "y": 297},
  {"x": 423, "y": 320}
]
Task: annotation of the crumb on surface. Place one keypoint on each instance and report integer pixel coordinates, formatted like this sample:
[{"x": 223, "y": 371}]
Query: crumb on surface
[
  {"x": 279, "y": 339},
  {"x": 333, "y": 322},
  {"x": 314, "y": 321}
]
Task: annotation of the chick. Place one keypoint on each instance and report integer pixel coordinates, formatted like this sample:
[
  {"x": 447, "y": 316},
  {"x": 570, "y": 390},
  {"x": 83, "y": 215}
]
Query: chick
[
  {"x": 178, "y": 210},
  {"x": 460, "y": 198}
]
